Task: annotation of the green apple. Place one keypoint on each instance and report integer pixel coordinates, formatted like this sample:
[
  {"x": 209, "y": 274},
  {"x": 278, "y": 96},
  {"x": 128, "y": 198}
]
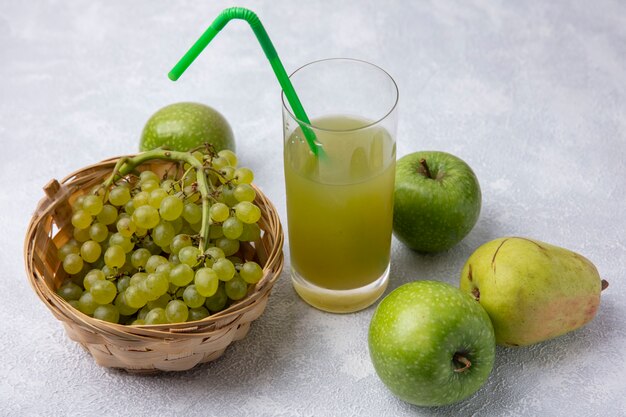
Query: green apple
[
  {"x": 183, "y": 126},
  {"x": 436, "y": 201},
  {"x": 431, "y": 344}
]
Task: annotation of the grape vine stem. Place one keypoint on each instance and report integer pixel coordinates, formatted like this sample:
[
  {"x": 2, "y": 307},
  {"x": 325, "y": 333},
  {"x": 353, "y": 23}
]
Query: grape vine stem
[{"x": 126, "y": 165}]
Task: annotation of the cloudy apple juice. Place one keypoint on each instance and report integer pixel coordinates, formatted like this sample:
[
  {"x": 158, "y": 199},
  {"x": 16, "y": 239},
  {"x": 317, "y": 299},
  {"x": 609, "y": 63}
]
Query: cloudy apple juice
[{"x": 339, "y": 210}]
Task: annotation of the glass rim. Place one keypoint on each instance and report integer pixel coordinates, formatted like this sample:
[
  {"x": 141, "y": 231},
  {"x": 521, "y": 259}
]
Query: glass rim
[{"x": 374, "y": 123}]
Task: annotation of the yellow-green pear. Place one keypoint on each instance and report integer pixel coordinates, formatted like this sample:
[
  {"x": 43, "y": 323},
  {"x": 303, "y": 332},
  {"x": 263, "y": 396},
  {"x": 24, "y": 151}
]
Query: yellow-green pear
[{"x": 532, "y": 291}]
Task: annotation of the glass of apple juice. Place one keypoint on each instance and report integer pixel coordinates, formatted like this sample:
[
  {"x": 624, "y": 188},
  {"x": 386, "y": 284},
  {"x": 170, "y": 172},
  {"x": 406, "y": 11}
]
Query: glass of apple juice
[{"x": 340, "y": 186}]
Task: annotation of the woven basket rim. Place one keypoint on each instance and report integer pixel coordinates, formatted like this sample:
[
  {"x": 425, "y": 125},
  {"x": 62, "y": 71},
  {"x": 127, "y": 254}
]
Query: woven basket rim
[{"x": 63, "y": 311}]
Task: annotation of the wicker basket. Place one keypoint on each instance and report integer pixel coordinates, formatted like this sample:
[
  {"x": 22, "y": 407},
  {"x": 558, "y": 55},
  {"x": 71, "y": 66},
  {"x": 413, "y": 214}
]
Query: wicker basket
[{"x": 148, "y": 348}]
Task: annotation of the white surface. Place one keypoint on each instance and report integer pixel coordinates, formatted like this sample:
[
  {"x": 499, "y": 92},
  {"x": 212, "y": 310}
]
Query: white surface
[{"x": 531, "y": 94}]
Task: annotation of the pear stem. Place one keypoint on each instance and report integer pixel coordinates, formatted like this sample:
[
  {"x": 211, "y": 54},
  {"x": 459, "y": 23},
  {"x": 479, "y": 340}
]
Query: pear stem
[
  {"x": 458, "y": 357},
  {"x": 605, "y": 285},
  {"x": 425, "y": 169}
]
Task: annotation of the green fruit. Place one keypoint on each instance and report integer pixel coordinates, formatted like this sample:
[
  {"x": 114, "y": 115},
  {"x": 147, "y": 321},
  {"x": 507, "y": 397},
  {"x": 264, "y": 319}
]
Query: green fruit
[
  {"x": 431, "y": 344},
  {"x": 436, "y": 201},
  {"x": 532, "y": 291},
  {"x": 183, "y": 126}
]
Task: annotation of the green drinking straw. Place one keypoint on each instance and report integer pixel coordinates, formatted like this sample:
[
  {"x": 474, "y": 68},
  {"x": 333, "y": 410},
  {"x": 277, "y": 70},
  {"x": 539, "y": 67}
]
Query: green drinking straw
[{"x": 258, "y": 29}]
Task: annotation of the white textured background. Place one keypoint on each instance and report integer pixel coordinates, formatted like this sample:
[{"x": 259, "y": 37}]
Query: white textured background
[{"x": 531, "y": 94}]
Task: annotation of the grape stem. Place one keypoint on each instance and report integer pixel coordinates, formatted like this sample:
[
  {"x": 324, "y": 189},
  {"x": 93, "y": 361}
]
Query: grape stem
[{"x": 126, "y": 165}]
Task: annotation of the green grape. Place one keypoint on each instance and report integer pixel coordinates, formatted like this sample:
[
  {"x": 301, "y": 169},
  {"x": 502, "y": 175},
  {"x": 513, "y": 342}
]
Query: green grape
[
  {"x": 236, "y": 288},
  {"x": 91, "y": 277},
  {"x": 107, "y": 312},
  {"x": 191, "y": 194},
  {"x": 215, "y": 253},
  {"x": 247, "y": 212},
  {"x": 150, "y": 186},
  {"x": 206, "y": 282},
  {"x": 156, "y": 284},
  {"x": 73, "y": 263},
  {"x": 156, "y": 316},
  {"x": 224, "y": 269},
  {"x": 217, "y": 301},
  {"x": 141, "y": 232},
  {"x": 120, "y": 195},
  {"x": 228, "y": 246},
  {"x": 229, "y": 156},
  {"x": 236, "y": 260},
  {"x": 165, "y": 268},
  {"x": 137, "y": 278},
  {"x": 73, "y": 303},
  {"x": 122, "y": 284},
  {"x": 251, "y": 272},
  {"x": 90, "y": 251},
  {"x": 129, "y": 208},
  {"x": 198, "y": 313},
  {"x": 92, "y": 204},
  {"x": 171, "y": 208},
  {"x": 196, "y": 227},
  {"x": 232, "y": 228},
  {"x": 227, "y": 173},
  {"x": 120, "y": 240},
  {"x": 146, "y": 217},
  {"x": 115, "y": 257},
  {"x": 169, "y": 185},
  {"x": 126, "y": 227},
  {"x": 123, "y": 308},
  {"x": 140, "y": 257},
  {"x": 220, "y": 162},
  {"x": 143, "y": 312},
  {"x": 190, "y": 178},
  {"x": 189, "y": 255},
  {"x": 181, "y": 275},
  {"x": 142, "y": 198},
  {"x": 163, "y": 234},
  {"x": 198, "y": 155},
  {"x": 86, "y": 303},
  {"x": 192, "y": 213},
  {"x": 98, "y": 232},
  {"x": 127, "y": 268},
  {"x": 173, "y": 259},
  {"x": 243, "y": 176},
  {"x": 138, "y": 322},
  {"x": 108, "y": 271},
  {"x": 81, "y": 235},
  {"x": 160, "y": 302},
  {"x": 70, "y": 291},
  {"x": 227, "y": 195},
  {"x": 135, "y": 296},
  {"x": 192, "y": 297},
  {"x": 70, "y": 247},
  {"x": 250, "y": 233},
  {"x": 176, "y": 311},
  {"x": 244, "y": 192},
  {"x": 156, "y": 196},
  {"x": 103, "y": 291},
  {"x": 107, "y": 215},
  {"x": 179, "y": 242},
  {"x": 81, "y": 219},
  {"x": 148, "y": 175},
  {"x": 178, "y": 224},
  {"x": 153, "y": 262},
  {"x": 78, "y": 203},
  {"x": 219, "y": 212}
]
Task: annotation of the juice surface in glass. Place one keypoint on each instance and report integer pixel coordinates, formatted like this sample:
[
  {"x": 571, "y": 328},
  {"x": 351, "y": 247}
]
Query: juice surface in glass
[{"x": 339, "y": 208}]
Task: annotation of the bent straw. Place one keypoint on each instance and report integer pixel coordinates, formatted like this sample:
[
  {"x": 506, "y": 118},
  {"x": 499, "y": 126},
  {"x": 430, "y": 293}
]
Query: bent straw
[{"x": 270, "y": 52}]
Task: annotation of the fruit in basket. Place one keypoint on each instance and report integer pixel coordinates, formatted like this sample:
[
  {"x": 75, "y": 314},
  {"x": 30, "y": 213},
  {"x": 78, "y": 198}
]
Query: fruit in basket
[
  {"x": 184, "y": 126},
  {"x": 437, "y": 201},
  {"x": 533, "y": 291},
  {"x": 431, "y": 344},
  {"x": 161, "y": 248}
]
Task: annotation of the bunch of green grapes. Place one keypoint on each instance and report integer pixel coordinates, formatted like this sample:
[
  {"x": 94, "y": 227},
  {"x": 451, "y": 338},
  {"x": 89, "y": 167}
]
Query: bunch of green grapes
[{"x": 136, "y": 257}]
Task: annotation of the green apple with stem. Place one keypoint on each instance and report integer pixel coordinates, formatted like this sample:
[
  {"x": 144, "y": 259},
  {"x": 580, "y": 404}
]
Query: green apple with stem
[
  {"x": 431, "y": 344},
  {"x": 183, "y": 126},
  {"x": 437, "y": 201}
]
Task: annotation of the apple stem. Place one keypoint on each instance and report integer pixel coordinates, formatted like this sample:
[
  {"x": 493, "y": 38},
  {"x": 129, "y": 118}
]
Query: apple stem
[
  {"x": 458, "y": 357},
  {"x": 425, "y": 169}
]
